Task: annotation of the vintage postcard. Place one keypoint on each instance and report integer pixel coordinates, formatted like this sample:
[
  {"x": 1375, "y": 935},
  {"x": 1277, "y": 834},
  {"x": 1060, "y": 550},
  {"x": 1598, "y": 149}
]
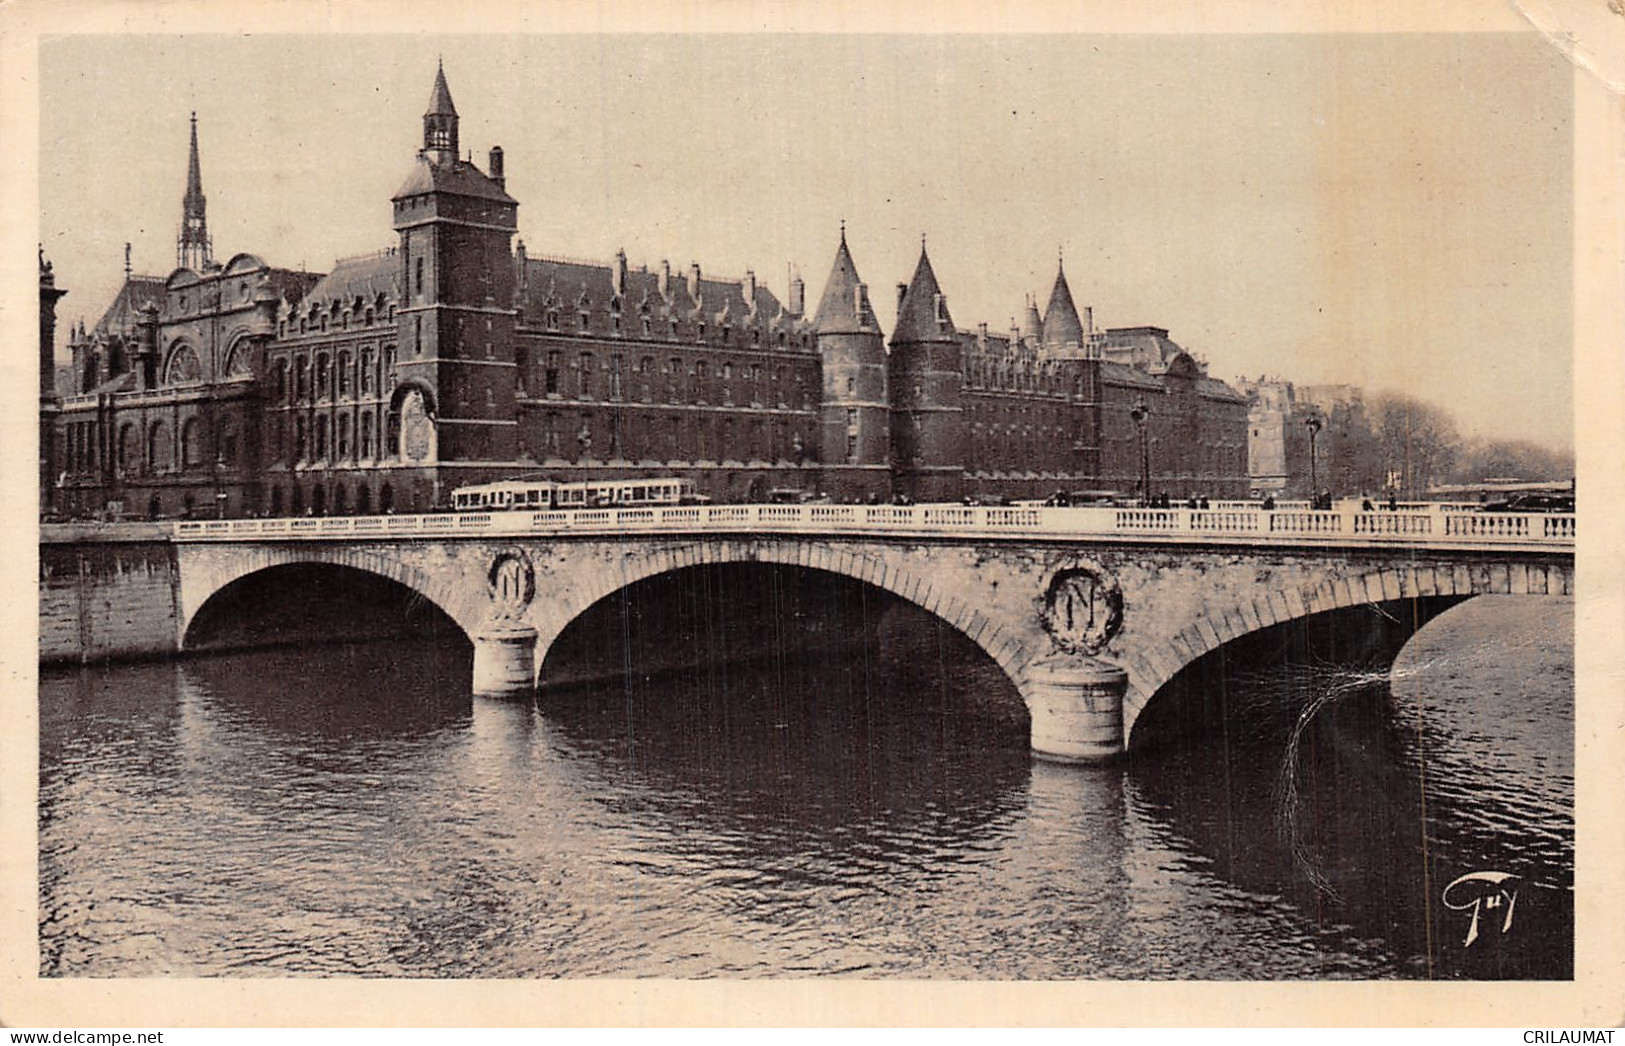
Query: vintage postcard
[{"x": 791, "y": 514}]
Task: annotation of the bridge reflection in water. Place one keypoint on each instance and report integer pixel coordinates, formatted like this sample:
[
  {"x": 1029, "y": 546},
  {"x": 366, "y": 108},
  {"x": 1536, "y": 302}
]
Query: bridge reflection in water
[{"x": 351, "y": 810}]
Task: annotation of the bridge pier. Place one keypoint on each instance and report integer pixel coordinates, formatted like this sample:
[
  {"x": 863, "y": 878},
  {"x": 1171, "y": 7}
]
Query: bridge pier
[
  {"x": 1076, "y": 705},
  {"x": 505, "y": 661}
]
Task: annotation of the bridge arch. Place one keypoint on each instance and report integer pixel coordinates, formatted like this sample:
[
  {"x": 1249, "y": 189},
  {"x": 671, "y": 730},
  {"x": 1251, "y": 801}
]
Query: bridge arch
[
  {"x": 1000, "y": 643},
  {"x": 211, "y": 569},
  {"x": 1154, "y": 666}
]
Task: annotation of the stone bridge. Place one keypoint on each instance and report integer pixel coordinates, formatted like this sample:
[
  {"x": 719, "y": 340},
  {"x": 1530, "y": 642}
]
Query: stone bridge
[{"x": 1089, "y": 611}]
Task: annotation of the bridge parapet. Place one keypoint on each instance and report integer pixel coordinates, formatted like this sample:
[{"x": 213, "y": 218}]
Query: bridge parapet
[{"x": 1434, "y": 528}]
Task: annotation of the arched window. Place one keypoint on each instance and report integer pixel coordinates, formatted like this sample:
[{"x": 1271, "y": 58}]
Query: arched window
[
  {"x": 129, "y": 447},
  {"x": 191, "y": 444},
  {"x": 318, "y": 501},
  {"x": 321, "y": 442},
  {"x": 343, "y": 438},
  {"x": 363, "y": 501},
  {"x": 155, "y": 508},
  {"x": 323, "y": 376},
  {"x": 584, "y": 376},
  {"x": 228, "y": 443},
  {"x": 159, "y": 451},
  {"x": 386, "y": 498},
  {"x": 296, "y": 501},
  {"x": 279, "y": 381},
  {"x": 276, "y": 501},
  {"x": 301, "y": 378},
  {"x": 344, "y": 375},
  {"x": 183, "y": 367},
  {"x": 300, "y": 438},
  {"x": 339, "y": 502},
  {"x": 366, "y": 436}
]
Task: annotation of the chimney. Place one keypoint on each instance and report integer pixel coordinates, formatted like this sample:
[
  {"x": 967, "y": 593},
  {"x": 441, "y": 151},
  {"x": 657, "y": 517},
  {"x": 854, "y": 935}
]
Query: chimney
[
  {"x": 617, "y": 275},
  {"x": 747, "y": 287},
  {"x": 664, "y": 283},
  {"x": 694, "y": 280},
  {"x": 496, "y": 168},
  {"x": 1088, "y": 320},
  {"x": 523, "y": 282}
]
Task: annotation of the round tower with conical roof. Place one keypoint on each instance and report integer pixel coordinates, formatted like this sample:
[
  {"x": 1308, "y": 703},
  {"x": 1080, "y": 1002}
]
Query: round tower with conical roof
[
  {"x": 1067, "y": 343},
  {"x": 925, "y": 376},
  {"x": 856, "y": 426}
]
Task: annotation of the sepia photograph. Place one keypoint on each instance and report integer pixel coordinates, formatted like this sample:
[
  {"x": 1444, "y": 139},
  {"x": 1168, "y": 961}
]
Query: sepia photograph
[{"x": 1076, "y": 507}]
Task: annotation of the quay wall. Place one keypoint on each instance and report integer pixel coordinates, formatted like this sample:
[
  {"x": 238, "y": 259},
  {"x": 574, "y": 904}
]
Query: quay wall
[{"x": 116, "y": 596}]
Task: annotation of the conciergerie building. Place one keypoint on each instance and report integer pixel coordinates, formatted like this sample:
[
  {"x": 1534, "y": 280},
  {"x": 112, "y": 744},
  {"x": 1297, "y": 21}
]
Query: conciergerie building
[{"x": 456, "y": 356}]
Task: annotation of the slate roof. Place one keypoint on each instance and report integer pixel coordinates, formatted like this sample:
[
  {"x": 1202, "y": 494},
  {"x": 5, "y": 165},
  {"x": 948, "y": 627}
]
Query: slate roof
[
  {"x": 365, "y": 277},
  {"x": 918, "y": 317},
  {"x": 568, "y": 285},
  {"x": 440, "y": 96},
  {"x": 137, "y": 293},
  {"x": 458, "y": 178},
  {"x": 120, "y": 383},
  {"x": 839, "y": 311},
  {"x": 1062, "y": 326},
  {"x": 1126, "y": 374}
]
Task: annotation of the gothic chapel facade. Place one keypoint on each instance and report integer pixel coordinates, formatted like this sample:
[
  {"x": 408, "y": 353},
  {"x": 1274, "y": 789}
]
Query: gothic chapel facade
[{"x": 455, "y": 357}]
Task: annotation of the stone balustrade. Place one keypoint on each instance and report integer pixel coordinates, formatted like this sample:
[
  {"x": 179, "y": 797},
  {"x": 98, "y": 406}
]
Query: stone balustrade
[{"x": 1435, "y": 527}]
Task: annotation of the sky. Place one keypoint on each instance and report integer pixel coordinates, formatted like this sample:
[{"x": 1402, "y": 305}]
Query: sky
[{"x": 1392, "y": 211}]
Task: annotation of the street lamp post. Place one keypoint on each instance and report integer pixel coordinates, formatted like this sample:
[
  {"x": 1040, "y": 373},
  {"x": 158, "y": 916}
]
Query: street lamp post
[
  {"x": 1313, "y": 423},
  {"x": 1141, "y": 413}
]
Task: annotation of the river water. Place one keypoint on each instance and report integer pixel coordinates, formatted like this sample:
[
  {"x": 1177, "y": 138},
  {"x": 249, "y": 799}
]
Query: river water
[{"x": 351, "y": 810}]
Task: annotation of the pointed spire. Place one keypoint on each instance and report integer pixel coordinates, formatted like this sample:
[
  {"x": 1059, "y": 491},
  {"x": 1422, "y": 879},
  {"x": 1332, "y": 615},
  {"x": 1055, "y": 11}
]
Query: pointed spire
[
  {"x": 193, "y": 249},
  {"x": 845, "y": 305},
  {"x": 922, "y": 315},
  {"x": 440, "y": 122},
  {"x": 194, "y": 177},
  {"x": 440, "y": 94},
  {"x": 1062, "y": 327}
]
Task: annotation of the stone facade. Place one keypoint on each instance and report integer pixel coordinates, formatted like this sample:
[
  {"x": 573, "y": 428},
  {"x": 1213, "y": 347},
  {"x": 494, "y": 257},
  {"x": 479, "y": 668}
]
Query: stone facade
[{"x": 457, "y": 356}]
